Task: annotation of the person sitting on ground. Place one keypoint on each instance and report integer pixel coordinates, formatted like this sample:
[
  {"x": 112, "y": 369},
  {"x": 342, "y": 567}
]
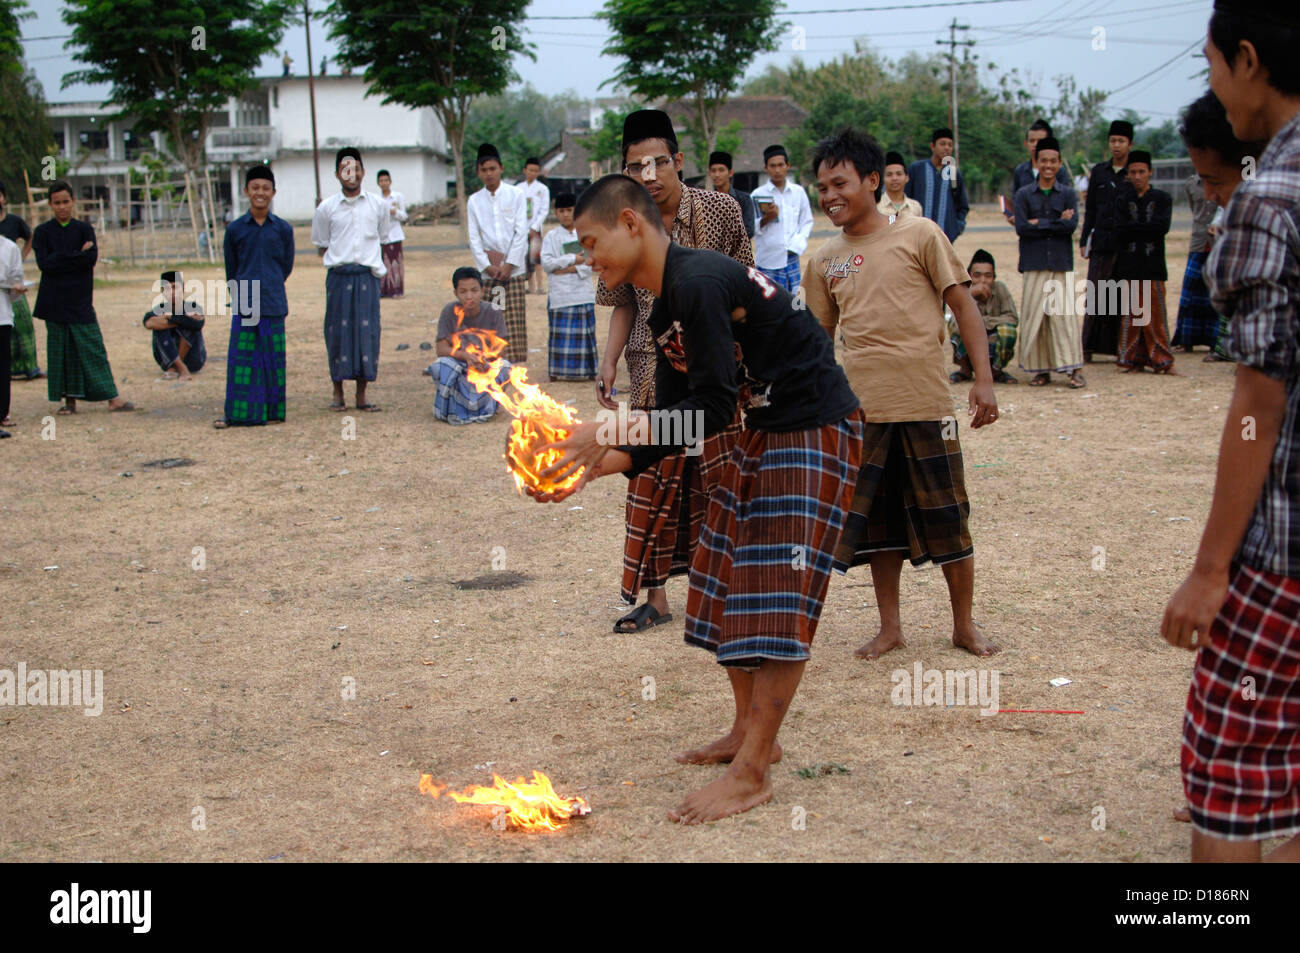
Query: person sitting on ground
[
  {"x": 998, "y": 308},
  {"x": 177, "y": 327},
  {"x": 458, "y": 401}
]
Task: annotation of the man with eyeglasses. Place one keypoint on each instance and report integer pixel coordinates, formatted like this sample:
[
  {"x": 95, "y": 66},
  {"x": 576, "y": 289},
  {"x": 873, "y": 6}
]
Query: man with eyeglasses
[{"x": 655, "y": 547}]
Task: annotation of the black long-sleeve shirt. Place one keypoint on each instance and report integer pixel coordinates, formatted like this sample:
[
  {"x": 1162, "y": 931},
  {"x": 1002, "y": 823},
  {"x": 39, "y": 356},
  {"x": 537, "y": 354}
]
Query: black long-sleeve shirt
[
  {"x": 1143, "y": 223},
  {"x": 786, "y": 379},
  {"x": 1046, "y": 246},
  {"x": 66, "y": 294},
  {"x": 1101, "y": 208}
]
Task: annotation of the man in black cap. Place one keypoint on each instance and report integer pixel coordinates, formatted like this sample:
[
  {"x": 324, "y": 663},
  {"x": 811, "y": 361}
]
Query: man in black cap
[
  {"x": 1143, "y": 221},
  {"x": 498, "y": 239},
  {"x": 1026, "y": 172},
  {"x": 938, "y": 185},
  {"x": 667, "y": 501},
  {"x": 1099, "y": 240},
  {"x": 177, "y": 327},
  {"x": 349, "y": 228},
  {"x": 785, "y": 221},
  {"x": 720, "y": 174},
  {"x": 998, "y": 309},
  {"x": 1239, "y": 608}
]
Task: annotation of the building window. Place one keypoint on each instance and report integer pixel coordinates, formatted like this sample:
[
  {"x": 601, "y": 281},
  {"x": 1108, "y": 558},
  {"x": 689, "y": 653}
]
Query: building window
[
  {"x": 94, "y": 139},
  {"x": 58, "y": 140}
]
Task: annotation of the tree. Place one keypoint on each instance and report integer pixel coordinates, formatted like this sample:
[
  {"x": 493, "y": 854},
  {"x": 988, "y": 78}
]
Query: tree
[
  {"x": 690, "y": 50},
  {"x": 27, "y": 137},
  {"x": 173, "y": 65},
  {"x": 520, "y": 123},
  {"x": 604, "y": 144},
  {"x": 438, "y": 54}
]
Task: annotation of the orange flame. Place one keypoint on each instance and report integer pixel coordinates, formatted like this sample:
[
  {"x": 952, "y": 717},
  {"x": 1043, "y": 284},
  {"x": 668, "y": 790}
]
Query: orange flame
[
  {"x": 539, "y": 418},
  {"x": 529, "y": 805}
]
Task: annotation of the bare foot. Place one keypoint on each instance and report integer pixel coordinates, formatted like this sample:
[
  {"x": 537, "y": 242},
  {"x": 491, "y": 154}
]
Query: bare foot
[
  {"x": 733, "y": 793},
  {"x": 722, "y": 751},
  {"x": 1183, "y": 815},
  {"x": 885, "y": 640},
  {"x": 972, "y": 640}
]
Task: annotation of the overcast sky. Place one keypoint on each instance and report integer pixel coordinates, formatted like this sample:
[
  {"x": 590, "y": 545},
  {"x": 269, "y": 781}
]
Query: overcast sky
[{"x": 1146, "y": 58}]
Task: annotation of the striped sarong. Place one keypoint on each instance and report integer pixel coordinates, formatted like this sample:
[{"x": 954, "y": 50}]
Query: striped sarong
[
  {"x": 457, "y": 401},
  {"x": 911, "y": 495},
  {"x": 1221, "y": 344},
  {"x": 1049, "y": 342},
  {"x": 787, "y": 277},
  {"x": 1002, "y": 346},
  {"x": 760, "y": 572},
  {"x": 22, "y": 349},
  {"x": 1198, "y": 322},
  {"x": 255, "y": 371},
  {"x": 352, "y": 323},
  {"x": 571, "y": 348},
  {"x": 1241, "y": 750},
  {"x": 1147, "y": 344},
  {"x": 510, "y": 298},
  {"x": 393, "y": 284},
  {"x": 78, "y": 363},
  {"x": 663, "y": 519}
]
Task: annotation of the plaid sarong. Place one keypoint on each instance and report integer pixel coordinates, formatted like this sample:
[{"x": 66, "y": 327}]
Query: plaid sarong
[
  {"x": 655, "y": 547},
  {"x": 22, "y": 348},
  {"x": 760, "y": 572},
  {"x": 1241, "y": 732},
  {"x": 352, "y": 323},
  {"x": 911, "y": 495},
  {"x": 457, "y": 401},
  {"x": 255, "y": 369},
  {"x": 1221, "y": 343},
  {"x": 1100, "y": 330},
  {"x": 1002, "y": 346},
  {"x": 787, "y": 277},
  {"x": 571, "y": 350},
  {"x": 1145, "y": 345},
  {"x": 393, "y": 284},
  {"x": 1198, "y": 322},
  {"x": 78, "y": 363},
  {"x": 512, "y": 301}
]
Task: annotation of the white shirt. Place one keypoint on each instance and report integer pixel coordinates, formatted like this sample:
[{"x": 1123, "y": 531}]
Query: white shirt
[
  {"x": 351, "y": 230},
  {"x": 791, "y": 230},
  {"x": 571, "y": 288},
  {"x": 394, "y": 200},
  {"x": 11, "y": 276},
  {"x": 541, "y": 202},
  {"x": 498, "y": 223}
]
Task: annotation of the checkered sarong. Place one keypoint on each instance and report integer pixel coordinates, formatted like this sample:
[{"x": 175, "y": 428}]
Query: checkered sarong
[
  {"x": 512, "y": 301},
  {"x": 911, "y": 495},
  {"x": 654, "y": 547},
  {"x": 787, "y": 277},
  {"x": 255, "y": 368},
  {"x": 1002, "y": 346},
  {"x": 1241, "y": 732},
  {"x": 571, "y": 349},
  {"x": 760, "y": 571},
  {"x": 352, "y": 326},
  {"x": 78, "y": 363},
  {"x": 457, "y": 401},
  {"x": 22, "y": 349},
  {"x": 1198, "y": 322}
]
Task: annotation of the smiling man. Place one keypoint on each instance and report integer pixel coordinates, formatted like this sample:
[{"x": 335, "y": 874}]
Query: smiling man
[
  {"x": 759, "y": 575},
  {"x": 1239, "y": 608}
]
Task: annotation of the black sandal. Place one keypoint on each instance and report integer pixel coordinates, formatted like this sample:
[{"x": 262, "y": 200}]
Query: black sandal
[{"x": 644, "y": 616}]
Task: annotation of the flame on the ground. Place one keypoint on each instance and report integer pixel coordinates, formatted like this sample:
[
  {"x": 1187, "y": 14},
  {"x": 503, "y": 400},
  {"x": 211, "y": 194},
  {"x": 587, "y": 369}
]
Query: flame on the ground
[
  {"x": 539, "y": 418},
  {"x": 529, "y": 805}
]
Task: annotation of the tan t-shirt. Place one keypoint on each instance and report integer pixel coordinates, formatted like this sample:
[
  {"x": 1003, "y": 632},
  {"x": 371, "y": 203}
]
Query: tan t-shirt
[{"x": 885, "y": 293}]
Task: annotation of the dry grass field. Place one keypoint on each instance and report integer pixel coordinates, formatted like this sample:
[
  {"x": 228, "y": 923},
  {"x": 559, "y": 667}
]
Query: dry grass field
[{"x": 329, "y": 559}]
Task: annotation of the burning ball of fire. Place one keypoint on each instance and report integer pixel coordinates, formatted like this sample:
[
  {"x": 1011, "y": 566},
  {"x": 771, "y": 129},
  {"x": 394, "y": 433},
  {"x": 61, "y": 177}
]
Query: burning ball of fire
[
  {"x": 528, "y": 805},
  {"x": 539, "y": 418}
]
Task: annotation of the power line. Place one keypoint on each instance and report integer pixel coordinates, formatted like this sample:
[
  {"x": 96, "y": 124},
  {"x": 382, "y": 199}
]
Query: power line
[{"x": 1165, "y": 65}]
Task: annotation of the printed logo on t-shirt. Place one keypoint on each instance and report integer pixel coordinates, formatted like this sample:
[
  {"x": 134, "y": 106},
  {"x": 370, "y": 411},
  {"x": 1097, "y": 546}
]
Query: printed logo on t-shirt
[
  {"x": 671, "y": 342},
  {"x": 837, "y": 267}
]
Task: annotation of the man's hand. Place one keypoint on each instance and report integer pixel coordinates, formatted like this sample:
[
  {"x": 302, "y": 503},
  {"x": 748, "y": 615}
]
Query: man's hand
[
  {"x": 981, "y": 292},
  {"x": 982, "y": 405},
  {"x": 504, "y": 271},
  {"x": 88, "y": 246},
  {"x": 1192, "y": 610},
  {"x": 1083, "y": 251},
  {"x": 770, "y": 212},
  {"x": 1067, "y": 214},
  {"x": 491, "y": 272},
  {"x": 605, "y": 385},
  {"x": 1033, "y": 221}
]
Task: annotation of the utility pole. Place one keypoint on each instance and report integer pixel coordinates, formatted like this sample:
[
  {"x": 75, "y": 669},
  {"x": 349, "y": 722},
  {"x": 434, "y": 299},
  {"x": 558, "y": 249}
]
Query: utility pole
[
  {"x": 952, "y": 43},
  {"x": 311, "y": 93}
]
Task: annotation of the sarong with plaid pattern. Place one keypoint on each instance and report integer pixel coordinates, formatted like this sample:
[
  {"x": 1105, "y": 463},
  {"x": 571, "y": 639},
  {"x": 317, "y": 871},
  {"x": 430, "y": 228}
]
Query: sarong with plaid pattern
[
  {"x": 787, "y": 277},
  {"x": 1241, "y": 731},
  {"x": 22, "y": 348},
  {"x": 255, "y": 371},
  {"x": 571, "y": 349},
  {"x": 78, "y": 363},
  {"x": 911, "y": 496},
  {"x": 512, "y": 301},
  {"x": 763, "y": 563},
  {"x": 1002, "y": 346},
  {"x": 663, "y": 522},
  {"x": 1198, "y": 322}
]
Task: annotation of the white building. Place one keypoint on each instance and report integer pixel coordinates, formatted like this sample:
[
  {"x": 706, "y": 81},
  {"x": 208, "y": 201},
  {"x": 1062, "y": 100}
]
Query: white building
[{"x": 272, "y": 124}]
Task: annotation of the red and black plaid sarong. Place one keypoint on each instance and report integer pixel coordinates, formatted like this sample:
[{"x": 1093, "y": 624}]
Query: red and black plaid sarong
[
  {"x": 663, "y": 523},
  {"x": 1241, "y": 733}
]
